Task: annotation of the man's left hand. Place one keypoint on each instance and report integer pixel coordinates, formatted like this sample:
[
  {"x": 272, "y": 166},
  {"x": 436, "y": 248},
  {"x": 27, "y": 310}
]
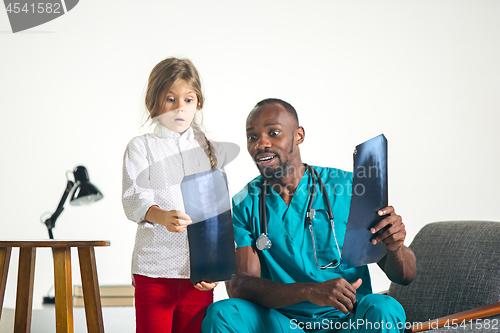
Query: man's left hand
[{"x": 395, "y": 234}]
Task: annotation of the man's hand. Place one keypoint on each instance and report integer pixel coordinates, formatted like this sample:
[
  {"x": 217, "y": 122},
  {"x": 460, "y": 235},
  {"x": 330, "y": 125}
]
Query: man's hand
[
  {"x": 204, "y": 286},
  {"x": 399, "y": 264},
  {"x": 395, "y": 234},
  {"x": 337, "y": 293},
  {"x": 248, "y": 285}
]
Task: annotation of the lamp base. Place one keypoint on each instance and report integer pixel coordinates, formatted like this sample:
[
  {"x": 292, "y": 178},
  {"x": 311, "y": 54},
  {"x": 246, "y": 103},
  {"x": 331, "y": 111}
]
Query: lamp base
[{"x": 49, "y": 300}]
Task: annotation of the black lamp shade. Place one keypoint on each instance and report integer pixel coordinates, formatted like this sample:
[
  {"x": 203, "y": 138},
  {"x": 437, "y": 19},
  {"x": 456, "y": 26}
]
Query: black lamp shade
[{"x": 84, "y": 191}]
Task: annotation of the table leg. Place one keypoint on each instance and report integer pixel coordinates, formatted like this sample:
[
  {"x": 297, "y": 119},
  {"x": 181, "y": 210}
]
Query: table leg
[
  {"x": 90, "y": 284},
  {"x": 4, "y": 269},
  {"x": 24, "y": 299},
  {"x": 63, "y": 289}
]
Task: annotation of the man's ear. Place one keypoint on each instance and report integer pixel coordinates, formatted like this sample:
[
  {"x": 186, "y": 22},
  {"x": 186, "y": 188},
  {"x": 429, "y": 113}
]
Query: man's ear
[{"x": 300, "y": 134}]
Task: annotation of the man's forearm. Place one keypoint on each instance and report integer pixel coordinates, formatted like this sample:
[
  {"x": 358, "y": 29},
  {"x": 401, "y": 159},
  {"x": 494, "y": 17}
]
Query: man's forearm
[
  {"x": 400, "y": 266},
  {"x": 267, "y": 293}
]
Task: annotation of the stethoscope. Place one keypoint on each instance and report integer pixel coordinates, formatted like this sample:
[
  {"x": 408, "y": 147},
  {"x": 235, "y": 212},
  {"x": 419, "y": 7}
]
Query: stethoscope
[{"x": 264, "y": 243}]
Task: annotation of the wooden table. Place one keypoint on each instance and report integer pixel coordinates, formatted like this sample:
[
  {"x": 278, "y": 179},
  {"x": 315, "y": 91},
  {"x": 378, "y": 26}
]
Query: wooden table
[{"x": 62, "y": 281}]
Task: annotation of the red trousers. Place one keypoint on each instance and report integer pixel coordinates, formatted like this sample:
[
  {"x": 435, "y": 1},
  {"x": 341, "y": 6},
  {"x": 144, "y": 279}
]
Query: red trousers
[{"x": 169, "y": 305}]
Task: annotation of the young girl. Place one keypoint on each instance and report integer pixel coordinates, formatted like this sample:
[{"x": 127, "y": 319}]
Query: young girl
[{"x": 153, "y": 168}]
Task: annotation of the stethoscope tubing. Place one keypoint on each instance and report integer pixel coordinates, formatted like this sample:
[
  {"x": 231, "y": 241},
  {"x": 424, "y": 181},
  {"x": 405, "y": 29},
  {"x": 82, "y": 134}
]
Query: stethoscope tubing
[{"x": 264, "y": 243}]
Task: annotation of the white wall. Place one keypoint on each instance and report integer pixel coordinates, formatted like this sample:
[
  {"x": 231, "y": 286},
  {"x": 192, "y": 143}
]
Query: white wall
[{"x": 424, "y": 73}]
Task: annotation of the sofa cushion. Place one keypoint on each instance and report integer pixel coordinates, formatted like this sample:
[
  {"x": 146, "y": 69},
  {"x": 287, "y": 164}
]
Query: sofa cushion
[{"x": 458, "y": 268}]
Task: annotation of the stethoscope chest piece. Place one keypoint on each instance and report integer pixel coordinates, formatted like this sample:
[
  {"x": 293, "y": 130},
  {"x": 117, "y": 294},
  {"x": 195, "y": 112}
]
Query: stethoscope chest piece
[{"x": 263, "y": 243}]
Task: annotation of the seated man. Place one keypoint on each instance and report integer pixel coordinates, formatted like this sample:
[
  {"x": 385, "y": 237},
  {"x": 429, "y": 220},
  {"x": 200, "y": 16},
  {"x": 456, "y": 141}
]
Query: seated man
[{"x": 291, "y": 278}]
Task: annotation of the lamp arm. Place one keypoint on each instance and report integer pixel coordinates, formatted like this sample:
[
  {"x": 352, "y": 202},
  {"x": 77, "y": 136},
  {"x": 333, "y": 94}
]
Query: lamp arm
[{"x": 51, "y": 221}]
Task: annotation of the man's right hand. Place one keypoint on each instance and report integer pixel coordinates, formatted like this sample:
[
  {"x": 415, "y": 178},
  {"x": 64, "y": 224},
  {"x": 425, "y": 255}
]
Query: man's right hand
[
  {"x": 248, "y": 285},
  {"x": 337, "y": 293}
]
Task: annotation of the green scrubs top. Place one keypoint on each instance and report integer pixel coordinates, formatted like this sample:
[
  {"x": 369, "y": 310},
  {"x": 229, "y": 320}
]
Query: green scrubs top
[{"x": 291, "y": 256}]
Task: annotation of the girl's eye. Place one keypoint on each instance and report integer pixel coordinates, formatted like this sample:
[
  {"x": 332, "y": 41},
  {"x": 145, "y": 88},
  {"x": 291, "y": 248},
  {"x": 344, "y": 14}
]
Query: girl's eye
[
  {"x": 189, "y": 100},
  {"x": 170, "y": 100}
]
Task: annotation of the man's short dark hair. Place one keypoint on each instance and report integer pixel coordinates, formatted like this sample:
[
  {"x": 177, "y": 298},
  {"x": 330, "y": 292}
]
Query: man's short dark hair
[{"x": 286, "y": 105}]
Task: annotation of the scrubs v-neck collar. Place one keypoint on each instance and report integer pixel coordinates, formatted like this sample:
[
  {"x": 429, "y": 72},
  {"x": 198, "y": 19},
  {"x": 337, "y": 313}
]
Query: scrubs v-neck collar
[{"x": 297, "y": 206}]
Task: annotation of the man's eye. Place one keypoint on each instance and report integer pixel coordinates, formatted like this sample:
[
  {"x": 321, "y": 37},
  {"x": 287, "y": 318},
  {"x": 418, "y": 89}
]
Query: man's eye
[
  {"x": 251, "y": 137},
  {"x": 274, "y": 133}
]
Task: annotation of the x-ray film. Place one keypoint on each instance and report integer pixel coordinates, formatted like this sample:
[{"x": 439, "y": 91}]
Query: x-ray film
[
  {"x": 369, "y": 195},
  {"x": 211, "y": 240}
]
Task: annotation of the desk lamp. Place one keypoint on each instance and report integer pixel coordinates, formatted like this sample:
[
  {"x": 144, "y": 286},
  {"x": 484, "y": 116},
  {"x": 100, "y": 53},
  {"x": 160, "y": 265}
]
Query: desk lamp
[{"x": 82, "y": 193}]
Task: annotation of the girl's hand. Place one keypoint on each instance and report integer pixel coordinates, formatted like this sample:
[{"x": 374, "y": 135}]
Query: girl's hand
[
  {"x": 204, "y": 286},
  {"x": 177, "y": 221},
  {"x": 174, "y": 220}
]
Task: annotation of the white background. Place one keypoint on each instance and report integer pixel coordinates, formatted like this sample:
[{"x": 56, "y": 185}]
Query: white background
[{"x": 424, "y": 73}]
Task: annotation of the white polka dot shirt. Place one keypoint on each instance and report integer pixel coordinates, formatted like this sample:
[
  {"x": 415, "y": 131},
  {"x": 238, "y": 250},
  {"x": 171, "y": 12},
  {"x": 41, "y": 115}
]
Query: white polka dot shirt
[{"x": 153, "y": 168}]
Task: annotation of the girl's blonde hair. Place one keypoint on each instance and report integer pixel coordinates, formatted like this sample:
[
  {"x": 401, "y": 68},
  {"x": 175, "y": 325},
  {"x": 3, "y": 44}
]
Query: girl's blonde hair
[{"x": 163, "y": 76}]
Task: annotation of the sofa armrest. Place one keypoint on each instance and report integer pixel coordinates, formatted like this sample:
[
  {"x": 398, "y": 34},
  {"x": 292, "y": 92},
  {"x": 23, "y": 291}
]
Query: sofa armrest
[{"x": 479, "y": 312}]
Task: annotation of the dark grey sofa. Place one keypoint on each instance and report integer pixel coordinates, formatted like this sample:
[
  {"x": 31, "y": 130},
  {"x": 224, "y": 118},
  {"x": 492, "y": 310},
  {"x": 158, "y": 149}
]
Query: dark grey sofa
[{"x": 458, "y": 269}]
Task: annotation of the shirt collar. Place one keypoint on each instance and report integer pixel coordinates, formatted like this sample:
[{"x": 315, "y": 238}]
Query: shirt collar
[
  {"x": 300, "y": 197},
  {"x": 165, "y": 133}
]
